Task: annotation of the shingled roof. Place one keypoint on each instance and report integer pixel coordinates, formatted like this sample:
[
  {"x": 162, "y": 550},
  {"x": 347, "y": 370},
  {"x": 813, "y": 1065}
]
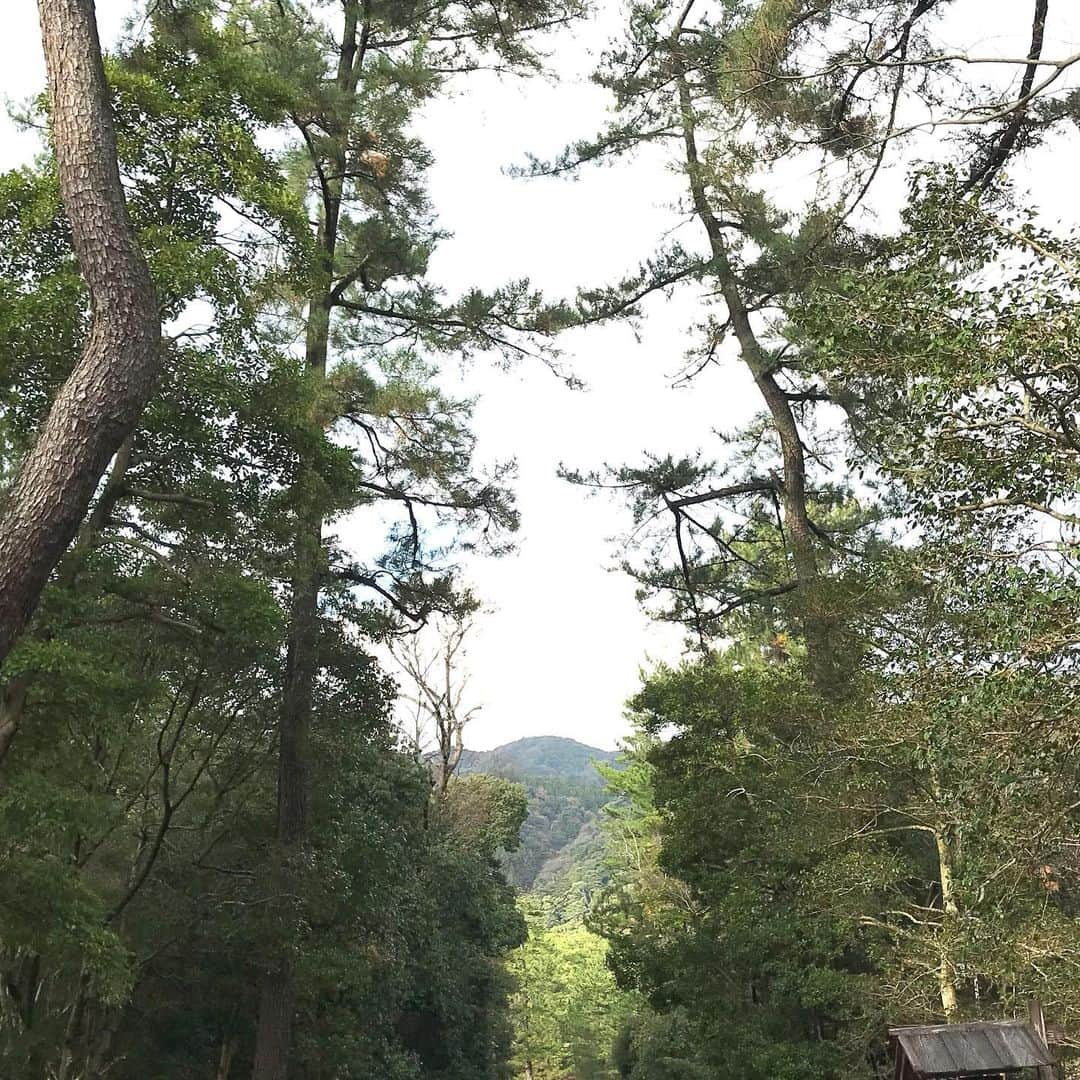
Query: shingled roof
[{"x": 972, "y": 1049}]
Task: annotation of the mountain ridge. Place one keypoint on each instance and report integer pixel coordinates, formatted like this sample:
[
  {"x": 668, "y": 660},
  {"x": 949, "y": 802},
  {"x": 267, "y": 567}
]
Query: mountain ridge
[{"x": 539, "y": 755}]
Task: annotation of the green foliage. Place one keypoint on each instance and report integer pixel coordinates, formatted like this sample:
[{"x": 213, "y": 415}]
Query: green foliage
[
  {"x": 792, "y": 873},
  {"x": 135, "y": 803},
  {"x": 792, "y": 868},
  {"x": 486, "y": 810},
  {"x": 775, "y": 869},
  {"x": 955, "y": 344},
  {"x": 566, "y": 1006},
  {"x": 731, "y": 542},
  {"x": 571, "y": 878},
  {"x": 557, "y": 841}
]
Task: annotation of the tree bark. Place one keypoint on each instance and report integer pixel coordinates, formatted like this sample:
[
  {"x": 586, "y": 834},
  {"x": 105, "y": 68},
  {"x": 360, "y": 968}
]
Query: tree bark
[
  {"x": 950, "y": 908},
  {"x": 103, "y": 397},
  {"x": 75, "y": 1031},
  {"x": 799, "y": 533},
  {"x": 946, "y": 968},
  {"x": 273, "y": 1036}
]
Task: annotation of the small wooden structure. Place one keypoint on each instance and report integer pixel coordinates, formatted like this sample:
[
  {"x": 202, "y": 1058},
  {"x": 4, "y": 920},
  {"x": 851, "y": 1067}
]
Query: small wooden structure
[{"x": 982, "y": 1050}]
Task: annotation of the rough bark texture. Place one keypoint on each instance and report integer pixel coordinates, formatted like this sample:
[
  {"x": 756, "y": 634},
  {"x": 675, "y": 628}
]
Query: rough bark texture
[
  {"x": 99, "y": 404},
  {"x": 273, "y": 1040},
  {"x": 273, "y": 1035}
]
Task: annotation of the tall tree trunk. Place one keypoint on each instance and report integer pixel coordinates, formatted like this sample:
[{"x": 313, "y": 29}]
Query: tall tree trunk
[
  {"x": 75, "y": 1031},
  {"x": 100, "y": 403},
  {"x": 950, "y": 908},
  {"x": 799, "y": 534},
  {"x": 273, "y": 1037},
  {"x": 946, "y": 967}
]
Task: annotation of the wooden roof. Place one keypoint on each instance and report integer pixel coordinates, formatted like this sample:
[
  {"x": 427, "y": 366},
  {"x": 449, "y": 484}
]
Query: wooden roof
[{"x": 971, "y": 1049}]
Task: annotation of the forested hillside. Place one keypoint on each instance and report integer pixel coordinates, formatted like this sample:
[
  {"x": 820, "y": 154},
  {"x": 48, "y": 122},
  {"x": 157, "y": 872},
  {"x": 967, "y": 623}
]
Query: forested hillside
[
  {"x": 559, "y": 849},
  {"x": 566, "y": 1009},
  {"x": 276, "y": 448}
]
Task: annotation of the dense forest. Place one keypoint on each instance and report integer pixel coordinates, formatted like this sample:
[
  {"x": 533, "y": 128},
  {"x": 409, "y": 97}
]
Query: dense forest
[
  {"x": 565, "y": 791},
  {"x": 241, "y": 488}
]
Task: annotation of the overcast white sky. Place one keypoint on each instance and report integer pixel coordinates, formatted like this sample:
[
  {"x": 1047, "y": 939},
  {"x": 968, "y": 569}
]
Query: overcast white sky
[{"x": 563, "y": 648}]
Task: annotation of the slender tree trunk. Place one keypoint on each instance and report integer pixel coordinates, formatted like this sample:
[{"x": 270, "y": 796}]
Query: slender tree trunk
[
  {"x": 29, "y": 982},
  {"x": 100, "y": 403},
  {"x": 950, "y": 908},
  {"x": 946, "y": 969},
  {"x": 20, "y": 974},
  {"x": 99, "y": 1059},
  {"x": 273, "y": 1037},
  {"x": 75, "y": 1032},
  {"x": 799, "y": 533}
]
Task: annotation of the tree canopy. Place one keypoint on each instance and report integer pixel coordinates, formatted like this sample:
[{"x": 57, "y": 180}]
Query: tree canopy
[{"x": 242, "y": 487}]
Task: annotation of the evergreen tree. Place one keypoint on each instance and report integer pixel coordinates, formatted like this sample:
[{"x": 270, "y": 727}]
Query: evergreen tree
[{"x": 137, "y": 800}]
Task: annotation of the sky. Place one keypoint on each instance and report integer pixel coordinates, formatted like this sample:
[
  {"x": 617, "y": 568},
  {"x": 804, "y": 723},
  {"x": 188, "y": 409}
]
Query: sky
[{"x": 564, "y": 641}]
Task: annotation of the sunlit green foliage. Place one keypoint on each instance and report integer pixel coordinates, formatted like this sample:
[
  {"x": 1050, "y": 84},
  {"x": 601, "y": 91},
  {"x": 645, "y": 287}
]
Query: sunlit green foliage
[{"x": 566, "y": 1007}]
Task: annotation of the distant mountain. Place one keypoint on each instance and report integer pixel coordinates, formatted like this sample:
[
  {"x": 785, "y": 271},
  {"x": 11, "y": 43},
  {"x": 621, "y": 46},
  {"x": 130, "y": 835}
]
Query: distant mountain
[
  {"x": 539, "y": 756},
  {"x": 560, "y": 842}
]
